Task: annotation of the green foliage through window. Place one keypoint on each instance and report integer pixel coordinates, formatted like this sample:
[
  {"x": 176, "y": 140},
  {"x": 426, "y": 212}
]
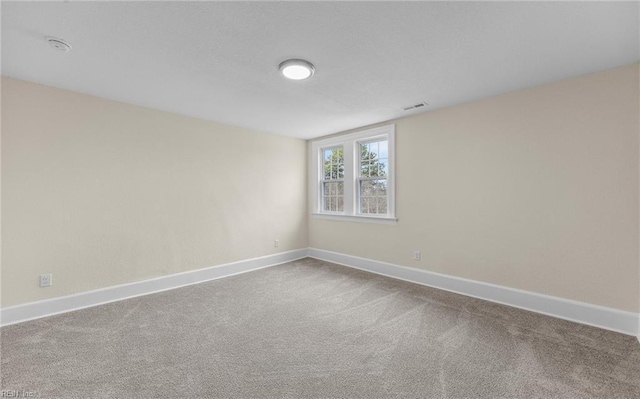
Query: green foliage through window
[
  {"x": 373, "y": 173},
  {"x": 333, "y": 191}
]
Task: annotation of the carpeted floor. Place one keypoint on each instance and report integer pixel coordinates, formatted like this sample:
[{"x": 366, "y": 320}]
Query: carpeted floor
[{"x": 313, "y": 329}]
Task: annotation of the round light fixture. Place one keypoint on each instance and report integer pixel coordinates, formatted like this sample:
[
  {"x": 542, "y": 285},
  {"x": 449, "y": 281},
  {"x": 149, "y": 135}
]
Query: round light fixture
[{"x": 296, "y": 69}]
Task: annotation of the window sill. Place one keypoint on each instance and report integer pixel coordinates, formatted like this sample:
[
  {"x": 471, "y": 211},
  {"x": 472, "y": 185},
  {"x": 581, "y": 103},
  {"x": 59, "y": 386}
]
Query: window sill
[{"x": 356, "y": 218}]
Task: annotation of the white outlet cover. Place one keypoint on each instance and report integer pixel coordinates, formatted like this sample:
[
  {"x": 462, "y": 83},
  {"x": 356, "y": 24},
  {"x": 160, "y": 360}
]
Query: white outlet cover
[{"x": 46, "y": 280}]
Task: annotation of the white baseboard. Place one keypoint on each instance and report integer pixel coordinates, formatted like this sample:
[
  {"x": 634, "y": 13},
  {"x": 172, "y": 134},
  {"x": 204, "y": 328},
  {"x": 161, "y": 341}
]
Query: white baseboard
[
  {"x": 579, "y": 312},
  {"x": 50, "y": 307}
]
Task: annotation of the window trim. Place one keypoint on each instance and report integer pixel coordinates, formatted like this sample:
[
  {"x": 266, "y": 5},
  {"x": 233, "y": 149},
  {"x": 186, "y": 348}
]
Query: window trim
[{"x": 350, "y": 143}]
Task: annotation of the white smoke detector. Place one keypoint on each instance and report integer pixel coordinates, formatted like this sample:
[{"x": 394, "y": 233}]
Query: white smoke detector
[{"x": 58, "y": 44}]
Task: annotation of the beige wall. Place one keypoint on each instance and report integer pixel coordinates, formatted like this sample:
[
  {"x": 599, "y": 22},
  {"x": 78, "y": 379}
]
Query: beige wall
[
  {"x": 536, "y": 190},
  {"x": 101, "y": 193}
]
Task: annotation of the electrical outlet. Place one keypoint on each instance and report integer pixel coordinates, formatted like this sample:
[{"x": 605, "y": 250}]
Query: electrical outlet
[
  {"x": 46, "y": 280},
  {"x": 416, "y": 255},
  {"x": 276, "y": 243}
]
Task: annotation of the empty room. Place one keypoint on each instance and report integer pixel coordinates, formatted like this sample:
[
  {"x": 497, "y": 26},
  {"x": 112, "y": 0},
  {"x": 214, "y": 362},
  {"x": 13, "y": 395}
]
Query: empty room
[{"x": 320, "y": 199}]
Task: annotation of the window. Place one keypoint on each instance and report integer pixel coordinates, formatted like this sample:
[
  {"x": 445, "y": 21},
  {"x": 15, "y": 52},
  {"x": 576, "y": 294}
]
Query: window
[
  {"x": 355, "y": 176},
  {"x": 333, "y": 180},
  {"x": 372, "y": 177}
]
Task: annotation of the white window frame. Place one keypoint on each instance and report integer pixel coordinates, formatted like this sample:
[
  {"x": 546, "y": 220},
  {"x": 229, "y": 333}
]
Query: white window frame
[
  {"x": 350, "y": 143},
  {"x": 322, "y": 180}
]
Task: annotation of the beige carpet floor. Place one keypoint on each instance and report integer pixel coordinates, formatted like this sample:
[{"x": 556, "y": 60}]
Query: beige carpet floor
[{"x": 310, "y": 329}]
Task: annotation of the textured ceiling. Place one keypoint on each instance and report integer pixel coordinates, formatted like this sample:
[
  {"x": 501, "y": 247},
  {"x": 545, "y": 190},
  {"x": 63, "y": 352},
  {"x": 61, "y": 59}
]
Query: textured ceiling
[{"x": 218, "y": 61}]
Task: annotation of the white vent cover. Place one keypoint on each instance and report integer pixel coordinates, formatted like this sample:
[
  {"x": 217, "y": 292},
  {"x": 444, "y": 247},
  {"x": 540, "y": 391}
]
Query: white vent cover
[
  {"x": 410, "y": 107},
  {"x": 58, "y": 44}
]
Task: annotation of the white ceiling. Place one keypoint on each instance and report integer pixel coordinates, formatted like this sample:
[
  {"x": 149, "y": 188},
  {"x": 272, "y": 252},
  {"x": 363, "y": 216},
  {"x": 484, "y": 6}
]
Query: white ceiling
[{"x": 218, "y": 61}]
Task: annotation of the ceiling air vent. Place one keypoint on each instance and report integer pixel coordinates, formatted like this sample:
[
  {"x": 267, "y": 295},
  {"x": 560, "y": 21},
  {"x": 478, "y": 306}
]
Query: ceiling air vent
[
  {"x": 410, "y": 107},
  {"x": 58, "y": 44}
]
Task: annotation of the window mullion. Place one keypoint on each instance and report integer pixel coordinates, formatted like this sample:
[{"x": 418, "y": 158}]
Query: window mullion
[
  {"x": 319, "y": 164},
  {"x": 349, "y": 176}
]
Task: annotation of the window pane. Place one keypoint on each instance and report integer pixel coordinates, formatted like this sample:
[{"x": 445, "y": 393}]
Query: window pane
[
  {"x": 373, "y": 150},
  {"x": 374, "y": 159},
  {"x": 381, "y": 167},
  {"x": 379, "y": 187},
  {"x": 332, "y": 188},
  {"x": 384, "y": 149},
  {"x": 375, "y": 169},
  {"x": 333, "y": 159},
  {"x": 372, "y": 205},
  {"x": 365, "y": 188},
  {"x": 364, "y": 152},
  {"x": 325, "y": 204},
  {"x": 373, "y": 196},
  {"x": 382, "y": 205},
  {"x": 333, "y": 196},
  {"x": 364, "y": 169},
  {"x": 364, "y": 205}
]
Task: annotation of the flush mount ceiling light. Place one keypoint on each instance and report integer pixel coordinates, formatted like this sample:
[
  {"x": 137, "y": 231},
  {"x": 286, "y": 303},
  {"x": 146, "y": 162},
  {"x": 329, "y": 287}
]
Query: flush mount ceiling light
[
  {"x": 58, "y": 44},
  {"x": 296, "y": 69}
]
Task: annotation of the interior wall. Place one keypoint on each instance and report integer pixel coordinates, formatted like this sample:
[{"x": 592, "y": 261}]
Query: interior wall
[
  {"x": 535, "y": 190},
  {"x": 101, "y": 193}
]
